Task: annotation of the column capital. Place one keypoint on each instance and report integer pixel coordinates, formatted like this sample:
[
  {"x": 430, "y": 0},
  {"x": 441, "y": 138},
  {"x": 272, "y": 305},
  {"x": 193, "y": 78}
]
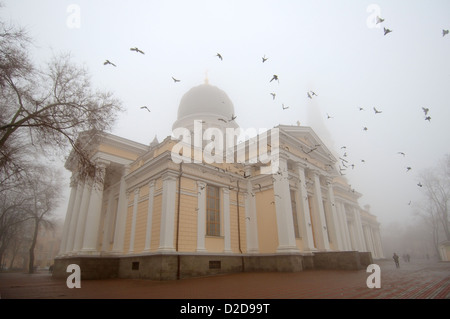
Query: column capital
[
  {"x": 101, "y": 163},
  {"x": 329, "y": 180},
  {"x": 170, "y": 176},
  {"x": 225, "y": 190},
  {"x": 151, "y": 183},
  {"x": 74, "y": 179},
  {"x": 201, "y": 184},
  {"x": 301, "y": 165},
  {"x": 136, "y": 191}
]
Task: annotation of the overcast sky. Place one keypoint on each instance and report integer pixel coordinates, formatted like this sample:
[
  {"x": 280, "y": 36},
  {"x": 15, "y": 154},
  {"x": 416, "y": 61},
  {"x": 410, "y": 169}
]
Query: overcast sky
[{"x": 333, "y": 48}]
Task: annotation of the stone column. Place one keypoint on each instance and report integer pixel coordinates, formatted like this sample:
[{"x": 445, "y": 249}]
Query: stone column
[
  {"x": 251, "y": 220},
  {"x": 368, "y": 238},
  {"x": 226, "y": 220},
  {"x": 334, "y": 216},
  {"x": 319, "y": 200},
  {"x": 307, "y": 235},
  {"x": 378, "y": 242},
  {"x": 81, "y": 222},
  {"x": 148, "y": 233},
  {"x": 359, "y": 230},
  {"x": 65, "y": 233},
  {"x": 74, "y": 217},
  {"x": 133, "y": 220},
  {"x": 283, "y": 206},
  {"x": 107, "y": 222},
  {"x": 94, "y": 214},
  {"x": 201, "y": 216},
  {"x": 166, "y": 239},
  {"x": 344, "y": 226},
  {"x": 121, "y": 214}
]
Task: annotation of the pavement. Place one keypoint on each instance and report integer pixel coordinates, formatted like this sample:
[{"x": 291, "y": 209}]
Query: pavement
[{"x": 422, "y": 279}]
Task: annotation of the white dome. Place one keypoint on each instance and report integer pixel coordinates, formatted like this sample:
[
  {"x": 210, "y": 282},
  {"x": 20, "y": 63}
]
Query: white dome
[{"x": 207, "y": 103}]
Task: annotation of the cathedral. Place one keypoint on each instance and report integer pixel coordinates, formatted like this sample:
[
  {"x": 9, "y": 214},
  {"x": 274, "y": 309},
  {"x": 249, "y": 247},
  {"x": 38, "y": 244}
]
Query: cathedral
[{"x": 203, "y": 202}]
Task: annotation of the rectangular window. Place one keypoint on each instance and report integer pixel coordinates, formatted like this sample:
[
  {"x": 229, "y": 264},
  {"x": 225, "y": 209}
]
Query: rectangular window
[
  {"x": 212, "y": 211},
  {"x": 294, "y": 214}
]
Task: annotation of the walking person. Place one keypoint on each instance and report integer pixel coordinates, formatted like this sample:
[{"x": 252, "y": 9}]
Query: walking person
[{"x": 397, "y": 263}]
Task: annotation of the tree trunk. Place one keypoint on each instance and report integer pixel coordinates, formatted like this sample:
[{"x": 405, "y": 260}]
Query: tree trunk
[
  {"x": 1, "y": 257},
  {"x": 33, "y": 244}
]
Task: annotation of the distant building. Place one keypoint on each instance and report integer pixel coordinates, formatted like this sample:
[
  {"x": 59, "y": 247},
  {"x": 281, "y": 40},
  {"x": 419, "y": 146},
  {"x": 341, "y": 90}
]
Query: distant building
[
  {"x": 444, "y": 250},
  {"x": 149, "y": 216}
]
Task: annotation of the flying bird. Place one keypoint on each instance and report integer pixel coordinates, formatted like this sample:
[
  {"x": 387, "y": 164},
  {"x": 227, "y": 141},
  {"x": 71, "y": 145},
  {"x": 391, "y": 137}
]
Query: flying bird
[
  {"x": 264, "y": 59},
  {"x": 144, "y": 107},
  {"x": 175, "y": 80},
  {"x": 379, "y": 20},
  {"x": 419, "y": 184},
  {"x": 233, "y": 117},
  {"x": 108, "y": 62},
  {"x": 376, "y": 111},
  {"x": 444, "y": 32},
  {"x": 361, "y": 108},
  {"x": 220, "y": 56},
  {"x": 365, "y": 128},
  {"x": 428, "y": 118},
  {"x": 275, "y": 77},
  {"x": 137, "y": 50},
  {"x": 309, "y": 95},
  {"x": 329, "y": 117},
  {"x": 408, "y": 168},
  {"x": 313, "y": 93},
  {"x": 273, "y": 95},
  {"x": 401, "y": 153},
  {"x": 284, "y": 107},
  {"x": 386, "y": 31},
  {"x": 425, "y": 110}
]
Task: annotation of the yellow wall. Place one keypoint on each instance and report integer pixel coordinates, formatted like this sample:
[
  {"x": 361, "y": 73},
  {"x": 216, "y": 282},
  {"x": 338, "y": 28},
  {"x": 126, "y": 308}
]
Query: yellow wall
[
  {"x": 156, "y": 222},
  {"x": 214, "y": 244},
  {"x": 118, "y": 152},
  {"x": 267, "y": 222},
  {"x": 141, "y": 226},
  {"x": 234, "y": 233},
  {"x": 188, "y": 216}
]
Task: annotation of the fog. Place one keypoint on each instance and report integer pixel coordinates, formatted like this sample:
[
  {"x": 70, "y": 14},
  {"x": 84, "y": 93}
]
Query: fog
[{"x": 334, "y": 48}]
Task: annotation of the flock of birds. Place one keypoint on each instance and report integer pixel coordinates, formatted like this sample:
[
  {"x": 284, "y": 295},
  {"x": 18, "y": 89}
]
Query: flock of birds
[
  {"x": 386, "y": 30},
  {"x": 344, "y": 165}
]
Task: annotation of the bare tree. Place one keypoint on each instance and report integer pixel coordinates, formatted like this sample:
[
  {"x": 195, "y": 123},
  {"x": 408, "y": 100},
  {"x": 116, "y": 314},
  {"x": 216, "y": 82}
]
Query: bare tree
[
  {"x": 434, "y": 211},
  {"x": 14, "y": 211},
  {"x": 43, "y": 186},
  {"x": 436, "y": 182},
  {"x": 427, "y": 211},
  {"x": 46, "y": 109}
]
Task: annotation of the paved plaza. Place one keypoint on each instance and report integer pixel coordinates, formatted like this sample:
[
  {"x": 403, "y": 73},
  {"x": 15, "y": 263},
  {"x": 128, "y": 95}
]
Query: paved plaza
[{"x": 415, "y": 280}]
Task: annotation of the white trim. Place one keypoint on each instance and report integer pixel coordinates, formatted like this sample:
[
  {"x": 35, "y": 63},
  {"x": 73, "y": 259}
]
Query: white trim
[
  {"x": 226, "y": 220},
  {"x": 201, "y": 216},
  {"x": 148, "y": 233}
]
